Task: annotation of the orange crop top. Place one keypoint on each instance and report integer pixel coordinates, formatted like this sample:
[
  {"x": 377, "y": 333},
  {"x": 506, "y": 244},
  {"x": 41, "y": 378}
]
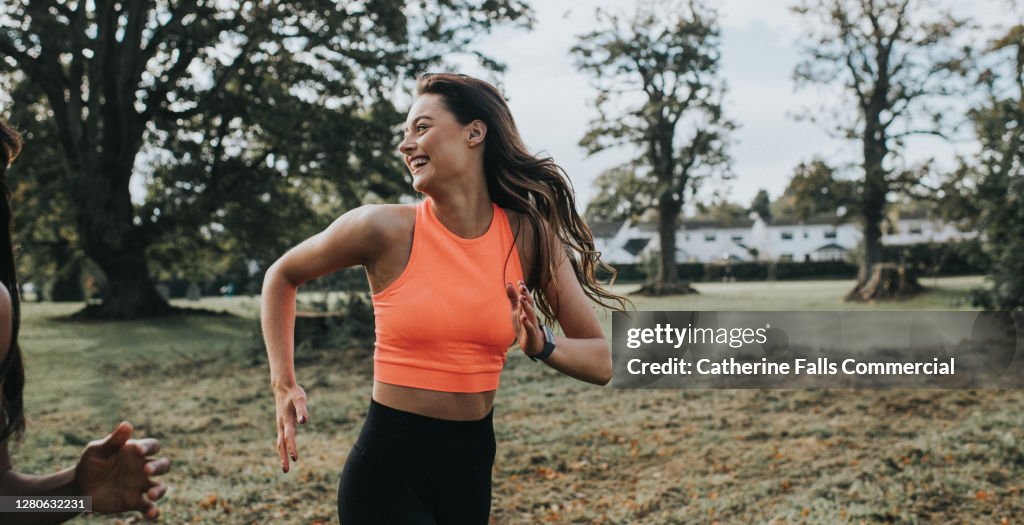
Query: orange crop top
[{"x": 446, "y": 323}]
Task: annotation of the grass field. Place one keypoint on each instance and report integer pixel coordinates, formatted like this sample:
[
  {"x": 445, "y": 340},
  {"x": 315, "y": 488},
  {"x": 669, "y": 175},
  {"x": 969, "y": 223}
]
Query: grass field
[{"x": 568, "y": 452}]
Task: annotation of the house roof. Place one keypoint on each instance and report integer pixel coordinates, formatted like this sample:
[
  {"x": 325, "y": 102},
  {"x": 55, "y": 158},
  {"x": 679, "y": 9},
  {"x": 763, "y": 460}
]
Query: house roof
[
  {"x": 830, "y": 246},
  {"x": 604, "y": 229},
  {"x": 821, "y": 218},
  {"x": 701, "y": 224},
  {"x": 635, "y": 245}
]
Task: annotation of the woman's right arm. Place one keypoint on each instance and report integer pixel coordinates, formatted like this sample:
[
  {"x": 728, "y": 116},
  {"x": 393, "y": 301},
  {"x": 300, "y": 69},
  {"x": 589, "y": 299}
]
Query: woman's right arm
[{"x": 355, "y": 238}]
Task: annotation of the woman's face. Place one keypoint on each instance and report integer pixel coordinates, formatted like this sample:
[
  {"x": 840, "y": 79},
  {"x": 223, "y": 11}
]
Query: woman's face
[{"x": 435, "y": 146}]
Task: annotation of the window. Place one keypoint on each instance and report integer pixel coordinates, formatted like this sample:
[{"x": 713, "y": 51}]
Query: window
[
  {"x": 786, "y": 257},
  {"x": 787, "y": 236},
  {"x": 687, "y": 237},
  {"x": 737, "y": 238},
  {"x": 830, "y": 235},
  {"x": 807, "y": 235},
  {"x": 709, "y": 237},
  {"x": 915, "y": 230}
]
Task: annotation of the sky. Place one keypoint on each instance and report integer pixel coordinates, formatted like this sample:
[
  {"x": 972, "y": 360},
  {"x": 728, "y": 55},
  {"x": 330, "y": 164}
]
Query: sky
[{"x": 553, "y": 103}]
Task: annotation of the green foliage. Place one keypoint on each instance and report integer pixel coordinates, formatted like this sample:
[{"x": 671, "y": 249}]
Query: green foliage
[
  {"x": 816, "y": 190},
  {"x": 994, "y": 200},
  {"x": 762, "y": 205},
  {"x": 935, "y": 259},
  {"x": 896, "y": 69},
  {"x": 251, "y": 124},
  {"x": 659, "y": 93},
  {"x": 44, "y": 234},
  {"x": 722, "y": 212},
  {"x": 612, "y": 186}
]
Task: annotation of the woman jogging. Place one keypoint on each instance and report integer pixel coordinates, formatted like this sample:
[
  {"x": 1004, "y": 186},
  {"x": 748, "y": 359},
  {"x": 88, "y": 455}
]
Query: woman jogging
[
  {"x": 456, "y": 279},
  {"x": 116, "y": 472}
]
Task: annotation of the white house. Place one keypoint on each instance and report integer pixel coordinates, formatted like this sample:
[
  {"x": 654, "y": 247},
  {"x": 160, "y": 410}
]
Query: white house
[{"x": 817, "y": 239}]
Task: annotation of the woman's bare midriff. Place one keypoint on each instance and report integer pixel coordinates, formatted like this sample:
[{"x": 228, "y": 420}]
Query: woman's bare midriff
[{"x": 431, "y": 403}]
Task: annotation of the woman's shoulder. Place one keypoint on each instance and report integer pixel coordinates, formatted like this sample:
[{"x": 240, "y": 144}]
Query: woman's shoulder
[
  {"x": 379, "y": 219},
  {"x": 389, "y": 220},
  {"x": 523, "y": 228}
]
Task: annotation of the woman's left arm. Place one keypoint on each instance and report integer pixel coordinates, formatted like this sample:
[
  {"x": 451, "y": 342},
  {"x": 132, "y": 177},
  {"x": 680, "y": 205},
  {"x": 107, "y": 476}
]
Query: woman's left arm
[{"x": 583, "y": 352}]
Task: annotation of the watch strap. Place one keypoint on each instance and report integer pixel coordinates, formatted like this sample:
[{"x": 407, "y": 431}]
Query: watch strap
[{"x": 549, "y": 345}]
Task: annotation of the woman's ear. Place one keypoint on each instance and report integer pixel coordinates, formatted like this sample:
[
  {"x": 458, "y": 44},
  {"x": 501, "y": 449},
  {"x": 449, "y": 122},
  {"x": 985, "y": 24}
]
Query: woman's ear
[{"x": 477, "y": 133}]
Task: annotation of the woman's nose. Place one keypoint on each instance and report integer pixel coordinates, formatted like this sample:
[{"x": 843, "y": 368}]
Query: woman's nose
[{"x": 406, "y": 147}]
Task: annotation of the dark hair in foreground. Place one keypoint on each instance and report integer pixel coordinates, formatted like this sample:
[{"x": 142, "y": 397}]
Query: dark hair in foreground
[
  {"x": 12, "y": 372},
  {"x": 532, "y": 185}
]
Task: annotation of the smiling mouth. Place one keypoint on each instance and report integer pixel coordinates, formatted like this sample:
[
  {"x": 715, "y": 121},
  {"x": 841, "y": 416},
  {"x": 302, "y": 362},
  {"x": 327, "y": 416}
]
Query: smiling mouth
[{"x": 418, "y": 163}]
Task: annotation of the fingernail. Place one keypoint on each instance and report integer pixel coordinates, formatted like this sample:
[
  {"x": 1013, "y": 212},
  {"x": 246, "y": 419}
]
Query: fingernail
[{"x": 302, "y": 419}]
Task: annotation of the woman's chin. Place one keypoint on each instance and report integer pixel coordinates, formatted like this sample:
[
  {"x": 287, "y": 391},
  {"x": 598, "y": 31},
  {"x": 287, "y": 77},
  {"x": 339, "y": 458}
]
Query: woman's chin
[{"x": 420, "y": 183}]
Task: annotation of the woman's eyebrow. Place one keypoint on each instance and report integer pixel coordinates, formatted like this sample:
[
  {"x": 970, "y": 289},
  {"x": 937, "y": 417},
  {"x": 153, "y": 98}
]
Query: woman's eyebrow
[{"x": 417, "y": 119}]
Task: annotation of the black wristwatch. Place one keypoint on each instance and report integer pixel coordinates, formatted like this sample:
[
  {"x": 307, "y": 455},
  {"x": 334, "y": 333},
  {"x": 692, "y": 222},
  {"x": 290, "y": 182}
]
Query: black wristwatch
[{"x": 549, "y": 345}]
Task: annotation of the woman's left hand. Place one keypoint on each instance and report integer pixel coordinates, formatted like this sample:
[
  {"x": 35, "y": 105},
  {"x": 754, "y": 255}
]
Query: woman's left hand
[
  {"x": 524, "y": 319},
  {"x": 118, "y": 472}
]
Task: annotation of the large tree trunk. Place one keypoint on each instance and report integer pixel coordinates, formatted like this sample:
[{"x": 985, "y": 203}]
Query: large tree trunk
[
  {"x": 667, "y": 274},
  {"x": 872, "y": 252},
  {"x": 105, "y": 218},
  {"x": 873, "y": 200},
  {"x": 131, "y": 292},
  {"x": 67, "y": 284},
  {"x": 667, "y": 281},
  {"x": 888, "y": 281}
]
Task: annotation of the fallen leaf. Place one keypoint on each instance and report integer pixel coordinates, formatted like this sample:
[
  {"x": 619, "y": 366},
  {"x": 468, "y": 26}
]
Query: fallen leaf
[{"x": 209, "y": 501}]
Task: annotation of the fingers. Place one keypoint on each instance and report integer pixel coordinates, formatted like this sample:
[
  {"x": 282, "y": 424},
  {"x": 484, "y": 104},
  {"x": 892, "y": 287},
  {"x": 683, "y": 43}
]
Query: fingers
[
  {"x": 148, "y": 509},
  {"x": 289, "y": 440},
  {"x": 529, "y": 324},
  {"x": 145, "y": 502},
  {"x": 300, "y": 410},
  {"x": 513, "y": 297},
  {"x": 156, "y": 492},
  {"x": 156, "y": 467},
  {"x": 146, "y": 447},
  {"x": 282, "y": 454},
  {"x": 291, "y": 409},
  {"x": 527, "y": 302},
  {"x": 109, "y": 445}
]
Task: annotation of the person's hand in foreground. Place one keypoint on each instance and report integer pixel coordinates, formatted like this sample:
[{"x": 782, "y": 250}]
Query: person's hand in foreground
[{"x": 117, "y": 472}]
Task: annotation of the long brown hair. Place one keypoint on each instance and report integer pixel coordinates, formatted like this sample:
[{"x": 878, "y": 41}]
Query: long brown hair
[
  {"x": 529, "y": 184},
  {"x": 12, "y": 372}
]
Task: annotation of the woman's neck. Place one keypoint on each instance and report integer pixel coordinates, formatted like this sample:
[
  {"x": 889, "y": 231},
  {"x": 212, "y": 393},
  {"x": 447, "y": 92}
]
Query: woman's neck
[{"x": 465, "y": 214}]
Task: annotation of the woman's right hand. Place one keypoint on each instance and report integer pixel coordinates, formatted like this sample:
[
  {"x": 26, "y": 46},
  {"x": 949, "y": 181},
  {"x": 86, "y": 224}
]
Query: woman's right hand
[{"x": 291, "y": 411}]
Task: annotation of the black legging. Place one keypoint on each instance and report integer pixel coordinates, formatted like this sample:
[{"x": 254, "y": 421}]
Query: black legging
[{"x": 409, "y": 469}]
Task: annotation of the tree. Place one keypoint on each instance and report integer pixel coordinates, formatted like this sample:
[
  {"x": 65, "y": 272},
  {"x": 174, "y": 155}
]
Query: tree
[
  {"x": 611, "y": 185},
  {"x": 815, "y": 189},
  {"x": 894, "y": 66},
  {"x": 762, "y": 205},
  {"x": 660, "y": 64},
  {"x": 722, "y": 211},
  {"x": 227, "y": 109},
  {"x": 43, "y": 231},
  {"x": 987, "y": 192}
]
